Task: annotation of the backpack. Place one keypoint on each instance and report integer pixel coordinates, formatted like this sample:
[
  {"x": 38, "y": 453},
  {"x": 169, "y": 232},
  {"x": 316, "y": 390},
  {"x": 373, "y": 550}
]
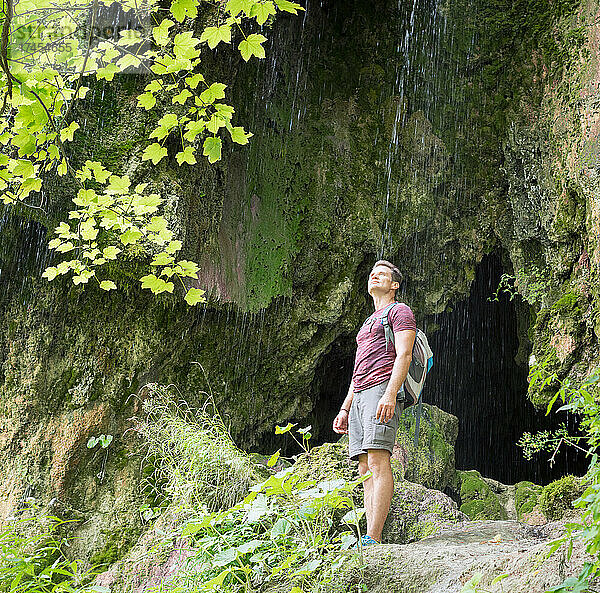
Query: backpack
[{"x": 422, "y": 361}]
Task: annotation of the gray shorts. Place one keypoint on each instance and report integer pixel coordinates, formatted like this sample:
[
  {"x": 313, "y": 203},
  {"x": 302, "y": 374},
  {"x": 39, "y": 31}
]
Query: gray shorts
[{"x": 364, "y": 430}]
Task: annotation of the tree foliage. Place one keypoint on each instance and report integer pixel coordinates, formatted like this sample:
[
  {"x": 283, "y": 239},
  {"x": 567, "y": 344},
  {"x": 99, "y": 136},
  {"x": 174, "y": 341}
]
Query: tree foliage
[{"x": 50, "y": 57}]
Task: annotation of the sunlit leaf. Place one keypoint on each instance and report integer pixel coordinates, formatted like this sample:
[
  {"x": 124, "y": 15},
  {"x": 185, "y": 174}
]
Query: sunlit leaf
[
  {"x": 225, "y": 557},
  {"x": 130, "y": 236},
  {"x": 252, "y": 46},
  {"x": 262, "y": 11},
  {"x": 50, "y": 273},
  {"x": 239, "y": 135},
  {"x": 194, "y": 296},
  {"x": 212, "y": 149},
  {"x": 215, "y": 91},
  {"x": 186, "y": 156},
  {"x": 288, "y": 6},
  {"x": 146, "y": 100},
  {"x": 184, "y": 45},
  {"x": 156, "y": 285},
  {"x": 161, "y": 259},
  {"x": 250, "y": 546},
  {"x": 214, "y": 35},
  {"x": 161, "y": 33},
  {"x": 182, "y": 97},
  {"x": 273, "y": 459},
  {"x": 182, "y": 8},
  {"x": 194, "y": 80},
  {"x": 154, "y": 152}
]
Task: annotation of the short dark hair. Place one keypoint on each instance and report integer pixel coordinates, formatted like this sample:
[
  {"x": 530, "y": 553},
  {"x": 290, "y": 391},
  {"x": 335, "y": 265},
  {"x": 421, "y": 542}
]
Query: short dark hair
[{"x": 396, "y": 274}]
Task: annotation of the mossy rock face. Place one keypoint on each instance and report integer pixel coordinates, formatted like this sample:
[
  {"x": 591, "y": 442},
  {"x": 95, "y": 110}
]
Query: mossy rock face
[
  {"x": 118, "y": 543},
  {"x": 329, "y": 461},
  {"x": 557, "y": 497},
  {"x": 430, "y": 461},
  {"x": 417, "y": 512},
  {"x": 526, "y": 497},
  {"x": 477, "y": 498}
]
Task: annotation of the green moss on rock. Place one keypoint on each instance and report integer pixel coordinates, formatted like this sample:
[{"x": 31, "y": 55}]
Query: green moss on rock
[
  {"x": 327, "y": 462},
  {"x": 431, "y": 461},
  {"x": 566, "y": 304},
  {"x": 558, "y": 496},
  {"x": 478, "y": 500},
  {"x": 118, "y": 543},
  {"x": 526, "y": 497}
]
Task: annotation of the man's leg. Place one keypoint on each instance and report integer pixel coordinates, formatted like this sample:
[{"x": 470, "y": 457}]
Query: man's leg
[
  {"x": 363, "y": 468},
  {"x": 381, "y": 490}
]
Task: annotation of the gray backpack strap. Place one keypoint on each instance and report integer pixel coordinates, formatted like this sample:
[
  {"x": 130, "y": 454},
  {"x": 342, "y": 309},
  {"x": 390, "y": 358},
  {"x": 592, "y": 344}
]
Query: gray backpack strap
[{"x": 387, "y": 329}]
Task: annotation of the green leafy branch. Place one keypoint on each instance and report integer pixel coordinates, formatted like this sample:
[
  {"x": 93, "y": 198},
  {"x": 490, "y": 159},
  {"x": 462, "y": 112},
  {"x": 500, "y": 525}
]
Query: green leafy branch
[
  {"x": 582, "y": 400},
  {"x": 37, "y": 563},
  {"x": 280, "y": 532},
  {"x": 41, "y": 86},
  {"x": 532, "y": 285}
]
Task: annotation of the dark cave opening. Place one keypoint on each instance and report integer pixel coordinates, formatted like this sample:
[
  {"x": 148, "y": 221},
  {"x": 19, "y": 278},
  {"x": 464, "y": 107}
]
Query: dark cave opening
[{"x": 479, "y": 375}]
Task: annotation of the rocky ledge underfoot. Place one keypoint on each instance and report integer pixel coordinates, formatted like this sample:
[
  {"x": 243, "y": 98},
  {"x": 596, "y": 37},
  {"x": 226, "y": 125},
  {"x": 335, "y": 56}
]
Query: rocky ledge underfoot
[{"x": 443, "y": 563}]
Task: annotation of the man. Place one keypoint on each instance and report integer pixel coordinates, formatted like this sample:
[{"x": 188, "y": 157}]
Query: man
[{"x": 371, "y": 411}]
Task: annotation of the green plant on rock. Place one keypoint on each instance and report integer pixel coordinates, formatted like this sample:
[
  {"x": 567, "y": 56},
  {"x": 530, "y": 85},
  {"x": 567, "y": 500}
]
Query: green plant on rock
[
  {"x": 585, "y": 402},
  {"x": 472, "y": 585},
  {"x": 531, "y": 284},
  {"x": 49, "y": 53},
  {"x": 191, "y": 457},
  {"x": 506, "y": 286},
  {"x": 289, "y": 529},
  {"x": 104, "y": 440},
  {"x": 550, "y": 441},
  {"x": 32, "y": 558},
  {"x": 283, "y": 532}
]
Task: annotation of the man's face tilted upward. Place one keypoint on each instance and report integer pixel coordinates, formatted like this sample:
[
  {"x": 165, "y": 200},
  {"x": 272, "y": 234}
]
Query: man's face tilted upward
[{"x": 380, "y": 282}]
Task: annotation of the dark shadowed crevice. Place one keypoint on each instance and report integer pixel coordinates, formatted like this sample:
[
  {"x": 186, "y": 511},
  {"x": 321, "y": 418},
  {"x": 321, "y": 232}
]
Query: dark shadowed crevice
[
  {"x": 331, "y": 382},
  {"x": 480, "y": 375}
]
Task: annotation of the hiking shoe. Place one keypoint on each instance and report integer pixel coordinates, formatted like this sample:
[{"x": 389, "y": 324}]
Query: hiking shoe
[{"x": 367, "y": 540}]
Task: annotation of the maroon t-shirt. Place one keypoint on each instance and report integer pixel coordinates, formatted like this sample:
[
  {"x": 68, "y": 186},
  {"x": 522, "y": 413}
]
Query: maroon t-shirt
[{"x": 373, "y": 364}]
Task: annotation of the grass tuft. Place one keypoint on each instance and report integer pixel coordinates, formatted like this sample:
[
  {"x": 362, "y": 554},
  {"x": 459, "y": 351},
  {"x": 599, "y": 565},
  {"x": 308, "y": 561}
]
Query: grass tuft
[{"x": 194, "y": 460}]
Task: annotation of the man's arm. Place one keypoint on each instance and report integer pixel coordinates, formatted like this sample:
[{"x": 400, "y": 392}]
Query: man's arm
[
  {"x": 403, "y": 341},
  {"x": 340, "y": 423}
]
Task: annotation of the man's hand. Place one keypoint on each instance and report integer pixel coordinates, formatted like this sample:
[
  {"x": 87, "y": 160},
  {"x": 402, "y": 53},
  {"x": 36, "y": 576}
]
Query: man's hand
[
  {"x": 385, "y": 408},
  {"x": 340, "y": 423}
]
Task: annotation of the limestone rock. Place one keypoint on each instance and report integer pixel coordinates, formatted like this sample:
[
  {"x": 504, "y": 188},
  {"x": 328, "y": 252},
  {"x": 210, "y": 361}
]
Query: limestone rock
[
  {"x": 430, "y": 461},
  {"x": 445, "y": 562},
  {"x": 417, "y": 512},
  {"x": 480, "y": 500}
]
